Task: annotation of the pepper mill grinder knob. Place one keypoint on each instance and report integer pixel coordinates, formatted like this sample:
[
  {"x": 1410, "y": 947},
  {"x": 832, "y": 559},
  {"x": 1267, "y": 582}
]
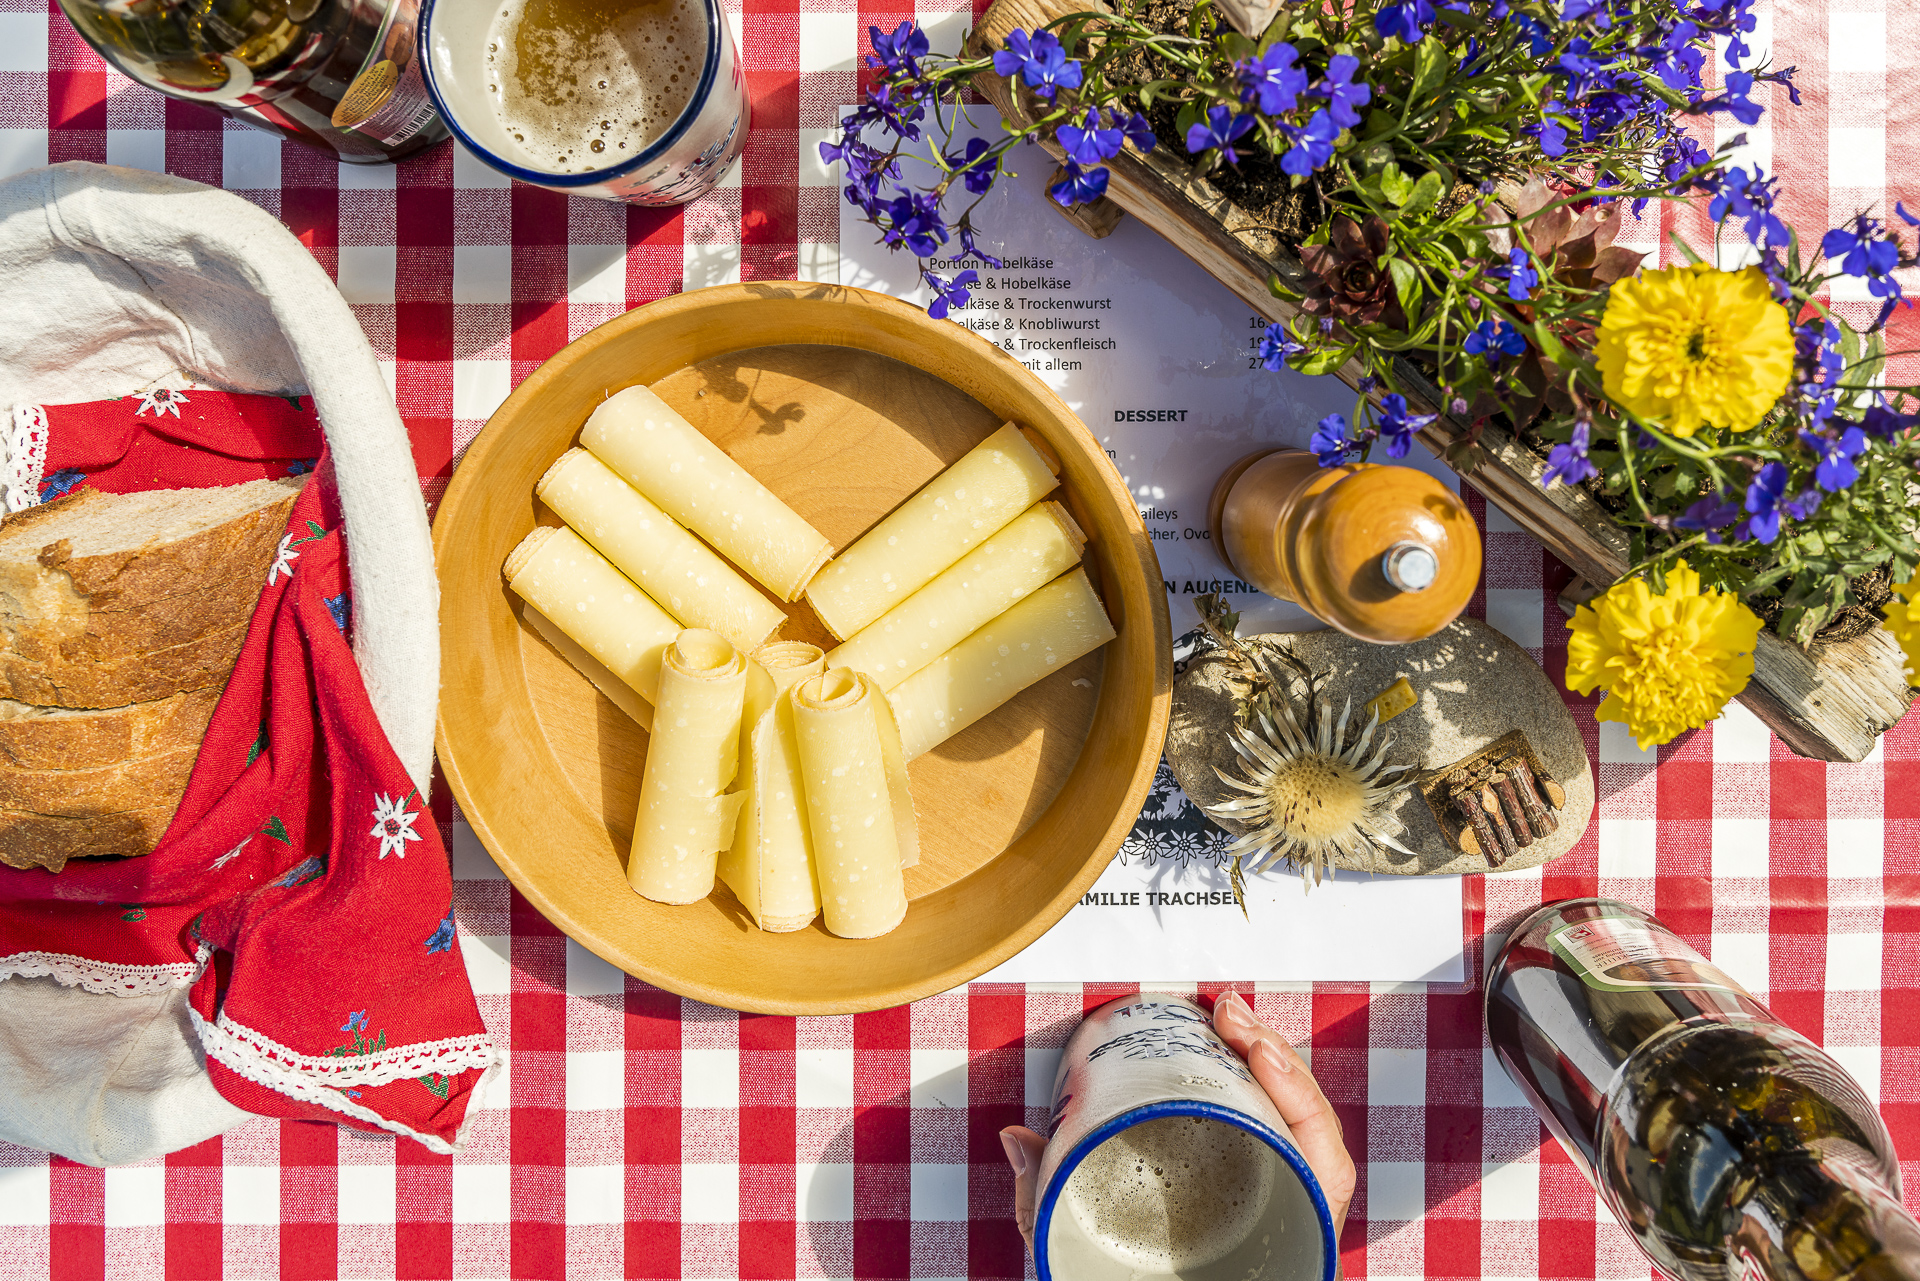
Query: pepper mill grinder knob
[{"x": 1410, "y": 566}]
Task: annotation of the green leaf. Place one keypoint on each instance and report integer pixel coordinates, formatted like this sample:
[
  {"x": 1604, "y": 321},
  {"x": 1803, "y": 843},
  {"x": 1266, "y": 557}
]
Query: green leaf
[
  {"x": 1550, "y": 345},
  {"x": 1277, "y": 29},
  {"x": 1685, "y": 249},
  {"x": 1426, "y": 193},
  {"x": 1325, "y": 360},
  {"x": 1406, "y": 282},
  {"x": 259, "y": 745},
  {"x": 1429, "y": 65},
  {"x": 1395, "y": 185},
  {"x": 1278, "y": 289},
  {"x": 276, "y": 829}
]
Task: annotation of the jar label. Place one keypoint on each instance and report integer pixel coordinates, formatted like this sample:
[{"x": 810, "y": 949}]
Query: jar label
[
  {"x": 388, "y": 101},
  {"x": 1624, "y": 954}
]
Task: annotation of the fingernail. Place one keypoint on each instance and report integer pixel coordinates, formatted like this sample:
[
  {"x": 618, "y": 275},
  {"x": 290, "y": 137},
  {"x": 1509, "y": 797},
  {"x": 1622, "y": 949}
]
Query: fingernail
[
  {"x": 1235, "y": 1011},
  {"x": 1016, "y": 1153},
  {"x": 1269, "y": 1054}
]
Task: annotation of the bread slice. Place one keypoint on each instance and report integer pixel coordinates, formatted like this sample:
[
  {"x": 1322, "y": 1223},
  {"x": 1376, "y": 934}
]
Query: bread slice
[
  {"x": 112, "y": 599},
  {"x": 73, "y": 738},
  {"x": 49, "y": 840}
]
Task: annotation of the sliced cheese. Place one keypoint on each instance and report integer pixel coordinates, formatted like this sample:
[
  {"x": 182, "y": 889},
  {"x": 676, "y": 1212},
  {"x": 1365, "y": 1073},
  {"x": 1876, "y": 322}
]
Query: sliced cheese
[
  {"x": 954, "y": 513},
  {"x": 680, "y": 572},
  {"x": 1038, "y": 547},
  {"x": 581, "y": 593},
  {"x": 1038, "y": 636},
  {"x": 686, "y": 817},
  {"x": 690, "y": 478},
  {"x": 622, "y": 694},
  {"x": 770, "y": 864},
  {"x": 861, "y": 827}
]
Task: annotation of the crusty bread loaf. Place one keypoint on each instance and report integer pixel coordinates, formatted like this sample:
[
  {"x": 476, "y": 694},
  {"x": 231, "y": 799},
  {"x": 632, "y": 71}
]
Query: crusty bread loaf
[
  {"x": 110, "y": 599},
  {"x": 120, "y": 619}
]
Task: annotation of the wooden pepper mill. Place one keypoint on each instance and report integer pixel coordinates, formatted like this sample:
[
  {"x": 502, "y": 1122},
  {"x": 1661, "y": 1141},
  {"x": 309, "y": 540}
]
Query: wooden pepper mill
[{"x": 1386, "y": 554}]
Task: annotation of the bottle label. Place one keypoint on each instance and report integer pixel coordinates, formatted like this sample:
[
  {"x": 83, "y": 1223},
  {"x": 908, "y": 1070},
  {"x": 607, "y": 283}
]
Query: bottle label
[
  {"x": 388, "y": 100},
  {"x": 1624, "y": 954}
]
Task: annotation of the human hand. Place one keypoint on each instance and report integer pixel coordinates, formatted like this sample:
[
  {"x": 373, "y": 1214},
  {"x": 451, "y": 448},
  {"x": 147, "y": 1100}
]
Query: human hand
[{"x": 1281, "y": 1072}]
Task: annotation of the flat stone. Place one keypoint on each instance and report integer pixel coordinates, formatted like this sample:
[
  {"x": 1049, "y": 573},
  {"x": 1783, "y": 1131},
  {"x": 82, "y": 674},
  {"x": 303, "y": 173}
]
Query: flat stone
[{"x": 1472, "y": 684}]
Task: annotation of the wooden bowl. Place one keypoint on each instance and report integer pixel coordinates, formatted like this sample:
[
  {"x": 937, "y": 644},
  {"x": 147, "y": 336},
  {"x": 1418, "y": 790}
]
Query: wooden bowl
[{"x": 843, "y": 402}]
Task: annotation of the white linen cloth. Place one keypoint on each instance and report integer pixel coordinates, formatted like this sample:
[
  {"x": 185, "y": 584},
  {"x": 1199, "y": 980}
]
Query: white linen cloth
[{"x": 113, "y": 280}]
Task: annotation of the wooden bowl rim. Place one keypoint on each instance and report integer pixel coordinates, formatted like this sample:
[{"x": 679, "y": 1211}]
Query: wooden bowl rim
[{"x": 1145, "y": 562}]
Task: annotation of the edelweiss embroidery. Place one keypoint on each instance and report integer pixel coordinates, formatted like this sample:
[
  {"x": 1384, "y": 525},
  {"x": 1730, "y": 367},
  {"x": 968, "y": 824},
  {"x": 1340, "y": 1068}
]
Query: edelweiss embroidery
[
  {"x": 393, "y": 824},
  {"x": 161, "y": 400},
  {"x": 283, "y": 560}
]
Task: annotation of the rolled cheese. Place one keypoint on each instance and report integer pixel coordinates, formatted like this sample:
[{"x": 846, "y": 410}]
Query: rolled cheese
[
  {"x": 770, "y": 864},
  {"x": 952, "y": 514},
  {"x": 623, "y": 695},
  {"x": 684, "y": 820},
  {"x": 690, "y": 478},
  {"x": 583, "y": 595},
  {"x": 1038, "y": 547},
  {"x": 680, "y": 572},
  {"x": 1039, "y": 635},
  {"x": 855, "y": 815}
]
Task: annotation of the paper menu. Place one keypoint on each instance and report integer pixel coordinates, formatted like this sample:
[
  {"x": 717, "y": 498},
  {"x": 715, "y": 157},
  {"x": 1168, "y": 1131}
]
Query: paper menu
[{"x": 1158, "y": 360}]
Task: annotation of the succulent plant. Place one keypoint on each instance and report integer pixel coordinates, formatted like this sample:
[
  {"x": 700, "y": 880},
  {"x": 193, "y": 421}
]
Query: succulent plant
[{"x": 1348, "y": 279}]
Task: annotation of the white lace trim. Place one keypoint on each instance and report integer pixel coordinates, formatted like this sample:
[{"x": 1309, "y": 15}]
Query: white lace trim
[
  {"x": 23, "y": 457},
  {"x": 103, "y": 978},
  {"x": 233, "y": 1043},
  {"x": 264, "y": 1062}
]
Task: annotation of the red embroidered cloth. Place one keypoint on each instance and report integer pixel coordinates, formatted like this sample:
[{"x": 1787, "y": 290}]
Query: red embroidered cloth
[{"x": 325, "y": 969}]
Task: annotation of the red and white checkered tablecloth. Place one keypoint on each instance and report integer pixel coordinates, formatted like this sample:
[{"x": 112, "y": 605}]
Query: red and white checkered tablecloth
[{"x": 640, "y": 1135}]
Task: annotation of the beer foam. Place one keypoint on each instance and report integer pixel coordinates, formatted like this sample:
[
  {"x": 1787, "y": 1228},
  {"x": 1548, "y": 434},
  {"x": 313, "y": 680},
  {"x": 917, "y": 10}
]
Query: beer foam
[
  {"x": 581, "y": 85},
  {"x": 1173, "y": 1193}
]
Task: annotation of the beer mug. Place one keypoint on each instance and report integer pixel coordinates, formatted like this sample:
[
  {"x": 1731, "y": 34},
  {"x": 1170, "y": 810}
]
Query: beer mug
[
  {"x": 642, "y": 101},
  {"x": 1166, "y": 1158}
]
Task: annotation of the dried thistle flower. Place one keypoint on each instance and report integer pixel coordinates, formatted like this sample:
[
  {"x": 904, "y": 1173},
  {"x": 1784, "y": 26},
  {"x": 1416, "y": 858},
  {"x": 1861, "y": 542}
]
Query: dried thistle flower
[{"x": 1314, "y": 788}]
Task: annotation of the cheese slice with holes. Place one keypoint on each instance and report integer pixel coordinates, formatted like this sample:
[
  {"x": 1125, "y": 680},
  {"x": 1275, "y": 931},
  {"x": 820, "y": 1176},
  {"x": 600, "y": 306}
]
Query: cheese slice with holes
[
  {"x": 686, "y": 816},
  {"x": 770, "y": 864},
  {"x": 859, "y": 814},
  {"x": 581, "y": 593},
  {"x": 691, "y": 479},
  {"x": 952, "y": 514},
  {"x": 1035, "y": 638}
]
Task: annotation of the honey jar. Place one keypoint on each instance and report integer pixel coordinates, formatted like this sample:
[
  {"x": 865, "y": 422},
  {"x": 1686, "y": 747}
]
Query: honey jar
[{"x": 1386, "y": 554}]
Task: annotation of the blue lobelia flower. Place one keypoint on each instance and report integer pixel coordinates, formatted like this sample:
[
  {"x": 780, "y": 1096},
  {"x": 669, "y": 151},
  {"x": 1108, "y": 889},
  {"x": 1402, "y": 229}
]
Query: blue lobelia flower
[
  {"x": 916, "y": 223},
  {"x": 1312, "y": 146},
  {"x": 1751, "y": 198},
  {"x": 1764, "y": 502},
  {"x": 977, "y": 175},
  {"x": 1330, "y": 443},
  {"x": 1736, "y": 101},
  {"x": 1887, "y": 423},
  {"x": 1139, "y": 133},
  {"x": 1221, "y": 129},
  {"x": 1493, "y": 339},
  {"x": 354, "y": 1022},
  {"x": 1397, "y": 426},
  {"x": 441, "y": 940},
  {"x": 1905, "y": 217},
  {"x": 1272, "y": 79},
  {"x": 1344, "y": 97},
  {"x": 1040, "y": 60},
  {"x": 1405, "y": 19},
  {"x": 1080, "y": 186},
  {"x": 1568, "y": 464},
  {"x": 1519, "y": 273},
  {"x": 970, "y": 250},
  {"x": 1087, "y": 143},
  {"x": 1836, "y": 471},
  {"x": 900, "y": 52},
  {"x": 1551, "y": 133},
  {"x": 1276, "y": 345},
  {"x": 949, "y": 293},
  {"x": 1539, "y": 41},
  {"x": 1866, "y": 253},
  {"x": 1709, "y": 515},
  {"x": 1575, "y": 10}
]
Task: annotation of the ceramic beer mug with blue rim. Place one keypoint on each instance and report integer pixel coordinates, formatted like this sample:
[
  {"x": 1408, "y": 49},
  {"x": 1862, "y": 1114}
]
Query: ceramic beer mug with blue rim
[
  {"x": 1166, "y": 1158},
  {"x": 681, "y": 160}
]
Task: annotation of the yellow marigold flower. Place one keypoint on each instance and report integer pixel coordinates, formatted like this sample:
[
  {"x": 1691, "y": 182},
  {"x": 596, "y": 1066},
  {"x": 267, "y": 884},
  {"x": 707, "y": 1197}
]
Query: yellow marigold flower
[
  {"x": 1670, "y": 662},
  {"x": 1694, "y": 347},
  {"x": 1903, "y": 620}
]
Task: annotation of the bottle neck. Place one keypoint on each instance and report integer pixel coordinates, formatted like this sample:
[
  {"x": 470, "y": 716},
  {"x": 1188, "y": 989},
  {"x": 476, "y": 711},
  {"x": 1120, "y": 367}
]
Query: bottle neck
[{"x": 1822, "y": 1221}]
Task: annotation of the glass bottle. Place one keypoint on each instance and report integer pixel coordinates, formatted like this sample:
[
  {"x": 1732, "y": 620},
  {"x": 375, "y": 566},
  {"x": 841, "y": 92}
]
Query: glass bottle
[
  {"x": 337, "y": 74},
  {"x": 1727, "y": 1144}
]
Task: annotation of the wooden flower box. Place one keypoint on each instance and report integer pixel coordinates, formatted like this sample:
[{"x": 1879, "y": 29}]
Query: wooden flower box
[{"x": 1831, "y": 702}]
